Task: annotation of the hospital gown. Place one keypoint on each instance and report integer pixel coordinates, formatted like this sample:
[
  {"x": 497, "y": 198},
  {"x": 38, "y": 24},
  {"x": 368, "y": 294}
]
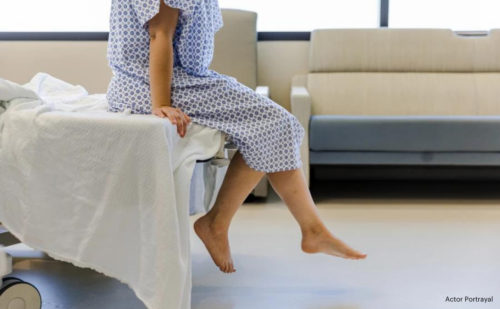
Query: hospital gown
[{"x": 266, "y": 134}]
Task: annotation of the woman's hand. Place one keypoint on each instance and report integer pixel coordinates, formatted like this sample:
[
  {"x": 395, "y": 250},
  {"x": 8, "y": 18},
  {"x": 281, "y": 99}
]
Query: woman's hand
[
  {"x": 161, "y": 61},
  {"x": 176, "y": 116}
]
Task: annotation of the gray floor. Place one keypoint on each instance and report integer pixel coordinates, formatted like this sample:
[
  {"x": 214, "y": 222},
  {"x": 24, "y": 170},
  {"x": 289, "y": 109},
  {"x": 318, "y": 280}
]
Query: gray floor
[
  {"x": 64, "y": 286},
  {"x": 425, "y": 241}
]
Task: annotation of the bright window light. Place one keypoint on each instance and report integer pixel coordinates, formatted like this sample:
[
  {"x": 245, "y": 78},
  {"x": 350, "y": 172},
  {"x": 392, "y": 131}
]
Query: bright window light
[
  {"x": 299, "y": 15},
  {"x": 274, "y": 15},
  {"x": 459, "y": 15},
  {"x": 54, "y": 15}
]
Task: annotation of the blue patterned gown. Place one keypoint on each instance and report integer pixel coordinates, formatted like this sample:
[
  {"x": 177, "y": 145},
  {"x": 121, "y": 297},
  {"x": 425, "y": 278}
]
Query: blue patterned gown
[{"x": 266, "y": 134}]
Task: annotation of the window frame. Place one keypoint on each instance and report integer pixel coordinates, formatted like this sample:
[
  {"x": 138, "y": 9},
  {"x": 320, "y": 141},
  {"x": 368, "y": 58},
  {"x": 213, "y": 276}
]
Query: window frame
[{"x": 262, "y": 36}]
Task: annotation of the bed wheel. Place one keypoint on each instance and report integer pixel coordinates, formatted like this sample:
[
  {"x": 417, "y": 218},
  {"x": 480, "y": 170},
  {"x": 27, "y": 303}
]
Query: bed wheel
[
  {"x": 11, "y": 278},
  {"x": 17, "y": 294}
]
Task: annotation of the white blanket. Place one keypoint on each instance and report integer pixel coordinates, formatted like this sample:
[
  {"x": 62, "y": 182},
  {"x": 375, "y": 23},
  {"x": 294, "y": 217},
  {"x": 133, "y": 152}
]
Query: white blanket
[{"x": 100, "y": 190}]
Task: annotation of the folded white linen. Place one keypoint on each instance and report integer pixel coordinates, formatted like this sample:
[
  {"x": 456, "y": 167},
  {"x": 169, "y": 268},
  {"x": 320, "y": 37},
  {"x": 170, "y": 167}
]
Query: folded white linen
[
  {"x": 13, "y": 92},
  {"x": 101, "y": 190},
  {"x": 10, "y": 91}
]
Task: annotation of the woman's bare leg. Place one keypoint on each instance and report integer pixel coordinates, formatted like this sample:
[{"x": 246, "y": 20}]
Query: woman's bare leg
[
  {"x": 213, "y": 228},
  {"x": 292, "y": 187}
]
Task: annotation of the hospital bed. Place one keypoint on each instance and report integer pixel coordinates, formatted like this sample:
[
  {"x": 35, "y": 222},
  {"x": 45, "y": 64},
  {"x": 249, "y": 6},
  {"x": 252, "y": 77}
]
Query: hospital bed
[
  {"x": 18, "y": 294},
  {"x": 206, "y": 180}
]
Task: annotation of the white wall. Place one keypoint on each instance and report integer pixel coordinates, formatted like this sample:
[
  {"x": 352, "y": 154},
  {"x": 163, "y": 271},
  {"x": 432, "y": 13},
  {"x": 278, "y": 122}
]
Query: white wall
[{"x": 85, "y": 63}]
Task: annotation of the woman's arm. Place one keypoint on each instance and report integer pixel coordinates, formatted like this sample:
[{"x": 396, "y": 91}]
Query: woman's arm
[{"x": 161, "y": 62}]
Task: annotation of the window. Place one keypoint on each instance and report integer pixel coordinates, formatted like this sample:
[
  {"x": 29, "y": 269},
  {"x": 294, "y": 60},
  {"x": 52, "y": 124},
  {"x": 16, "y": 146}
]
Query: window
[
  {"x": 274, "y": 15},
  {"x": 298, "y": 15},
  {"x": 54, "y": 16},
  {"x": 459, "y": 15}
]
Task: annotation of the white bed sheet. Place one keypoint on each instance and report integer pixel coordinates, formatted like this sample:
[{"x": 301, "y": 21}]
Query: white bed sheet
[{"x": 101, "y": 190}]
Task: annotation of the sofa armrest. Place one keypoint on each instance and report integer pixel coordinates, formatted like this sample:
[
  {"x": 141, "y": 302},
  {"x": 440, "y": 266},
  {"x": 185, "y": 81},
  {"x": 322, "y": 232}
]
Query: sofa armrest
[
  {"x": 301, "y": 109},
  {"x": 263, "y": 90}
]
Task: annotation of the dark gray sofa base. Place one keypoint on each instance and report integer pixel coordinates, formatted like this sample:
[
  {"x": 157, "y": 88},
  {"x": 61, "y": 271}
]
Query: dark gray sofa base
[
  {"x": 403, "y": 133},
  {"x": 404, "y": 158},
  {"x": 406, "y": 172}
]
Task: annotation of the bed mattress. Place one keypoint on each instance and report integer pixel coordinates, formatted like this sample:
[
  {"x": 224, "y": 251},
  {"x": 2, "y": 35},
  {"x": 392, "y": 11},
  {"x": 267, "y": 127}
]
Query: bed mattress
[{"x": 112, "y": 192}]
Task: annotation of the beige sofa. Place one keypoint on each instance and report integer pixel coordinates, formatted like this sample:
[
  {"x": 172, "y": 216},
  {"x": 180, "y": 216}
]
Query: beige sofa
[{"x": 400, "y": 97}]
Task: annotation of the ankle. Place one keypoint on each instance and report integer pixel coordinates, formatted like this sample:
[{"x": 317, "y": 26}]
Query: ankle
[
  {"x": 314, "y": 230},
  {"x": 216, "y": 224},
  {"x": 219, "y": 227}
]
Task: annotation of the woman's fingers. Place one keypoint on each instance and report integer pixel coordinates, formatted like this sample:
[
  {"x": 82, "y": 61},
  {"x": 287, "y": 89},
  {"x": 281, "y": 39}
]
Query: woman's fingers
[
  {"x": 163, "y": 114},
  {"x": 158, "y": 114},
  {"x": 188, "y": 119},
  {"x": 170, "y": 116},
  {"x": 181, "y": 124},
  {"x": 176, "y": 116}
]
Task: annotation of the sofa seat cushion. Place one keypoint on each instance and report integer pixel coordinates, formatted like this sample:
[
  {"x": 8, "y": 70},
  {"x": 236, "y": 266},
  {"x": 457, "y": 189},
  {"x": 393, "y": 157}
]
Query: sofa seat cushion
[{"x": 404, "y": 133}]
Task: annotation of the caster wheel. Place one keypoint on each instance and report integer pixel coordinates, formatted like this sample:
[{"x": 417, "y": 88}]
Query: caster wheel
[
  {"x": 12, "y": 279},
  {"x": 8, "y": 280},
  {"x": 220, "y": 162},
  {"x": 17, "y": 294}
]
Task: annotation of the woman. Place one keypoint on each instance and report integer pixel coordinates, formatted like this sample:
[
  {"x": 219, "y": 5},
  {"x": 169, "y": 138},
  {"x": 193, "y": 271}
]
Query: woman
[{"x": 160, "y": 51}]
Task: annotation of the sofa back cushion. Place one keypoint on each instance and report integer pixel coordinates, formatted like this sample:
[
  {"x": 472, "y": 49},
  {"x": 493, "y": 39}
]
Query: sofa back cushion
[
  {"x": 404, "y": 72},
  {"x": 405, "y": 94},
  {"x": 236, "y": 47}
]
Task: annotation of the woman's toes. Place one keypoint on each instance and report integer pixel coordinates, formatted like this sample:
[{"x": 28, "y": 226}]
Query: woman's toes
[
  {"x": 358, "y": 255},
  {"x": 227, "y": 268},
  {"x": 326, "y": 243}
]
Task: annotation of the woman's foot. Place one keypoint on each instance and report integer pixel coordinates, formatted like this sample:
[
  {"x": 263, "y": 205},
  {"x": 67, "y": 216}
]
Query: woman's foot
[
  {"x": 217, "y": 243},
  {"x": 323, "y": 241}
]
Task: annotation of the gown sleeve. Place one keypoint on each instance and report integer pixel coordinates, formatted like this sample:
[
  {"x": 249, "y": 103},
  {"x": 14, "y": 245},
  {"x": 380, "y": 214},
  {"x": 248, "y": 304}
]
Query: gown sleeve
[{"x": 147, "y": 9}]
